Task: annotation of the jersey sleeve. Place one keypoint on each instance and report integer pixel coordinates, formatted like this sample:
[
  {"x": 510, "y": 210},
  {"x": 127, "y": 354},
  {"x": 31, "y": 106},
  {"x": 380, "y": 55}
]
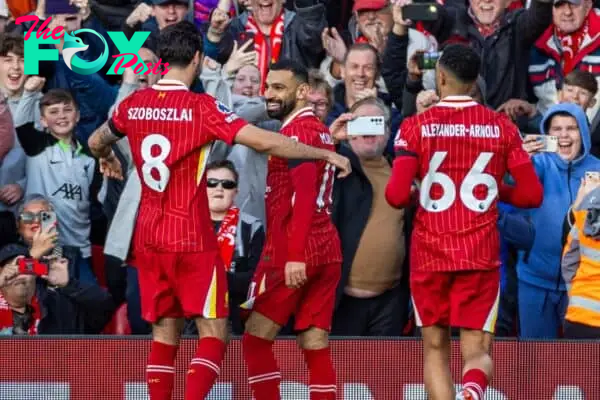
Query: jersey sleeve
[
  {"x": 515, "y": 153},
  {"x": 309, "y": 134},
  {"x": 118, "y": 121},
  {"x": 407, "y": 141},
  {"x": 218, "y": 121}
]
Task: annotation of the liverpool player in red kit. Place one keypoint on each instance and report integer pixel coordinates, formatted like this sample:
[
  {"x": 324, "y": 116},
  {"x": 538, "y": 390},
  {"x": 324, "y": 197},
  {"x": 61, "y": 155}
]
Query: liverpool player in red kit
[
  {"x": 181, "y": 274},
  {"x": 301, "y": 262},
  {"x": 460, "y": 152}
]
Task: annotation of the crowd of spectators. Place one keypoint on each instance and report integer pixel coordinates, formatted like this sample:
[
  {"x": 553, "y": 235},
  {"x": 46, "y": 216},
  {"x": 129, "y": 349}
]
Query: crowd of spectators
[{"x": 540, "y": 66}]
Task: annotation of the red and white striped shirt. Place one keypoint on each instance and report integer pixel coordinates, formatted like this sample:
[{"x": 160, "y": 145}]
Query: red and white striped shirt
[
  {"x": 298, "y": 200},
  {"x": 464, "y": 151},
  {"x": 170, "y": 131}
]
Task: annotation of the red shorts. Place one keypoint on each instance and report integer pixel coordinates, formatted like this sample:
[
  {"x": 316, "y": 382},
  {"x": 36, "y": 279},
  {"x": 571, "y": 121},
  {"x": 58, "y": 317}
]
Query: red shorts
[
  {"x": 182, "y": 285},
  {"x": 464, "y": 299},
  {"x": 312, "y": 304}
]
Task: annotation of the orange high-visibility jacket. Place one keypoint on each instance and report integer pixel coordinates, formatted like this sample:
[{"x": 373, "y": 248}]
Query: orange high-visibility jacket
[{"x": 581, "y": 272}]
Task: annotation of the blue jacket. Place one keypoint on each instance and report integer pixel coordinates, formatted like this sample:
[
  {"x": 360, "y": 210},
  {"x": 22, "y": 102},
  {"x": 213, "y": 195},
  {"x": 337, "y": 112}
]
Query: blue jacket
[{"x": 561, "y": 180}]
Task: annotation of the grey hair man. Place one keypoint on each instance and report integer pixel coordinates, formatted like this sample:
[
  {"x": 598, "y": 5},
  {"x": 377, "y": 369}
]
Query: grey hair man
[{"x": 372, "y": 297}]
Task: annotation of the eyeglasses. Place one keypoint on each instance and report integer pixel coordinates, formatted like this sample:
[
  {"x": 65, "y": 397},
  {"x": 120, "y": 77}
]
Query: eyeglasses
[
  {"x": 30, "y": 218},
  {"x": 319, "y": 104},
  {"x": 225, "y": 183}
]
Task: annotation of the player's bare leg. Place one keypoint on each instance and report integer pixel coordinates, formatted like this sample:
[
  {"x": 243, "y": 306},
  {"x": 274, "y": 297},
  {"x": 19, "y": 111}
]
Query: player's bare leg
[
  {"x": 257, "y": 346},
  {"x": 436, "y": 363},
  {"x": 478, "y": 367},
  {"x": 315, "y": 346},
  {"x": 160, "y": 371},
  {"x": 205, "y": 366}
]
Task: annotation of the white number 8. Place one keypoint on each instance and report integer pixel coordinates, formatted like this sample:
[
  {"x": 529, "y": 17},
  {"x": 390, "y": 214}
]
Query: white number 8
[
  {"x": 475, "y": 177},
  {"x": 156, "y": 162}
]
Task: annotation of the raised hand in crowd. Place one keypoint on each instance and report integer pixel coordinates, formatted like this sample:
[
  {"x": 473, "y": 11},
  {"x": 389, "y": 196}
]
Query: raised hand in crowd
[
  {"x": 334, "y": 44},
  {"x": 375, "y": 36},
  {"x": 240, "y": 57},
  {"x": 587, "y": 186},
  {"x": 515, "y": 108},
  {"x": 219, "y": 20},
  {"x": 365, "y": 93},
  {"x": 400, "y": 24},
  {"x": 426, "y": 99},
  {"x": 34, "y": 84},
  {"x": 414, "y": 72},
  {"x": 58, "y": 272},
  {"x": 11, "y": 193},
  {"x": 533, "y": 144},
  {"x": 140, "y": 15},
  {"x": 84, "y": 8},
  {"x": 43, "y": 242}
]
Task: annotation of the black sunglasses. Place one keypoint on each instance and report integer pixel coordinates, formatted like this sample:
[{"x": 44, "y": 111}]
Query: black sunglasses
[{"x": 226, "y": 183}]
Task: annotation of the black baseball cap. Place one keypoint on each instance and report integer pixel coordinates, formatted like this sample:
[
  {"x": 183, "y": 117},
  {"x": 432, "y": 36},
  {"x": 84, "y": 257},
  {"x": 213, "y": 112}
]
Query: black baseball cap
[
  {"x": 164, "y": 2},
  {"x": 11, "y": 251}
]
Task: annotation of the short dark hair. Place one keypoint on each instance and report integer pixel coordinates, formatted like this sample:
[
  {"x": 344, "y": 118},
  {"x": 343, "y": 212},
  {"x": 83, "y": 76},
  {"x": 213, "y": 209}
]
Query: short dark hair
[
  {"x": 365, "y": 47},
  {"x": 298, "y": 70},
  {"x": 178, "y": 43},
  {"x": 317, "y": 81},
  {"x": 461, "y": 61},
  {"x": 11, "y": 43},
  {"x": 56, "y": 96},
  {"x": 223, "y": 164},
  {"x": 582, "y": 79}
]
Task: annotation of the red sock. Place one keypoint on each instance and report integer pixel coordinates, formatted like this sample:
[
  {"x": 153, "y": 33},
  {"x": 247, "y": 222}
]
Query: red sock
[
  {"x": 204, "y": 368},
  {"x": 160, "y": 371},
  {"x": 263, "y": 372},
  {"x": 475, "y": 381},
  {"x": 321, "y": 374}
]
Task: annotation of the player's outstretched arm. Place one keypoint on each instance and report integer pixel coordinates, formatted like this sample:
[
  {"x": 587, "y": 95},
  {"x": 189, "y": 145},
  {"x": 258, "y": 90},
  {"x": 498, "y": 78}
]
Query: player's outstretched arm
[
  {"x": 281, "y": 146},
  {"x": 527, "y": 192},
  {"x": 404, "y": 172},
  {"x": 100, "y": 144}
]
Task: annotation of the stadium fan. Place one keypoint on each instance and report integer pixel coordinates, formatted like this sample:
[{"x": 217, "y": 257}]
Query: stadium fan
[
  {"x": 170, "y": 131},
  {"x": 455, "y": 278}
]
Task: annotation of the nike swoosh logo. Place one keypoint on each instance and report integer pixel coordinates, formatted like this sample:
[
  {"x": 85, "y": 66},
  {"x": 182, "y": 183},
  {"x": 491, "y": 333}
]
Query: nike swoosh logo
[{"x": 55, "y": 162}]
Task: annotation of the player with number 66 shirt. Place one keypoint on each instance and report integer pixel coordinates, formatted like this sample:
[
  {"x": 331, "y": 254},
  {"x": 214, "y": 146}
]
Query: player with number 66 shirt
[
  {"x": 460, "y": 152},
  {"x": 181, "y": 274}
]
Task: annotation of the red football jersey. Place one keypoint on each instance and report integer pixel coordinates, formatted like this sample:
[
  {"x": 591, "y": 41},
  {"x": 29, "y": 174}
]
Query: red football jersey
[
  {"x": 284, "y": 238},
  {"x": 170, "y": 131},
  {"x": 464, "y": 151}
]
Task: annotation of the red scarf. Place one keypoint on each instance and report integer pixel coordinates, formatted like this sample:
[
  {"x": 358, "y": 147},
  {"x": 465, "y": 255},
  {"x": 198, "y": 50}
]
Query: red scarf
[
  {"x": 6, "y": 317},
  {"x": 261, "y": 45},
  {"x": 226, "y": 235},
  {"x": 570, "y": 45}
]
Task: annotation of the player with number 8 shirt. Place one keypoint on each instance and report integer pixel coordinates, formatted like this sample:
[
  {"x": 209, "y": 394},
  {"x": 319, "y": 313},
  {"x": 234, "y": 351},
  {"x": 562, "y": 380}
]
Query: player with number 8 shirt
[
  {"x": 181, "y": 274},
  {"x": 460, "y": 151}
]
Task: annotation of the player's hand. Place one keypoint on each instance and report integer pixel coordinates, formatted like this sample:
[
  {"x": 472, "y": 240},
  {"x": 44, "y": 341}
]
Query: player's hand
[
  {"x": 341, "y": 163},
  {"x": 585, "y": 188},
  {"x": 339, "y": 127},
  {"x": 295, "y": 274},
  {"x": 515, "y": 108},
  {"x": 110, "y": 167},
  {"x": 533, "y": 144}
]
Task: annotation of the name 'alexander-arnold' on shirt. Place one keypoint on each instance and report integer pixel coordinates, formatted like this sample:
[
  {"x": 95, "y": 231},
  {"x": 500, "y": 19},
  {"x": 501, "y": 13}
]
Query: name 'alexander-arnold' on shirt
[
  {"x": 160, "y": 114},
  {"x": 460, "y": 130}
]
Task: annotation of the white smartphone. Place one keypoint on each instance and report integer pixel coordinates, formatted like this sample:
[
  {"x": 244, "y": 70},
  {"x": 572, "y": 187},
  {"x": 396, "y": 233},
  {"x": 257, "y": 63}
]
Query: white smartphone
[
  {"x": 48, "y": 220},
  {"x": 592, "y": 176},
  {"x": 366, "y": 126},
  {"x": 550, "y": 142}
]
